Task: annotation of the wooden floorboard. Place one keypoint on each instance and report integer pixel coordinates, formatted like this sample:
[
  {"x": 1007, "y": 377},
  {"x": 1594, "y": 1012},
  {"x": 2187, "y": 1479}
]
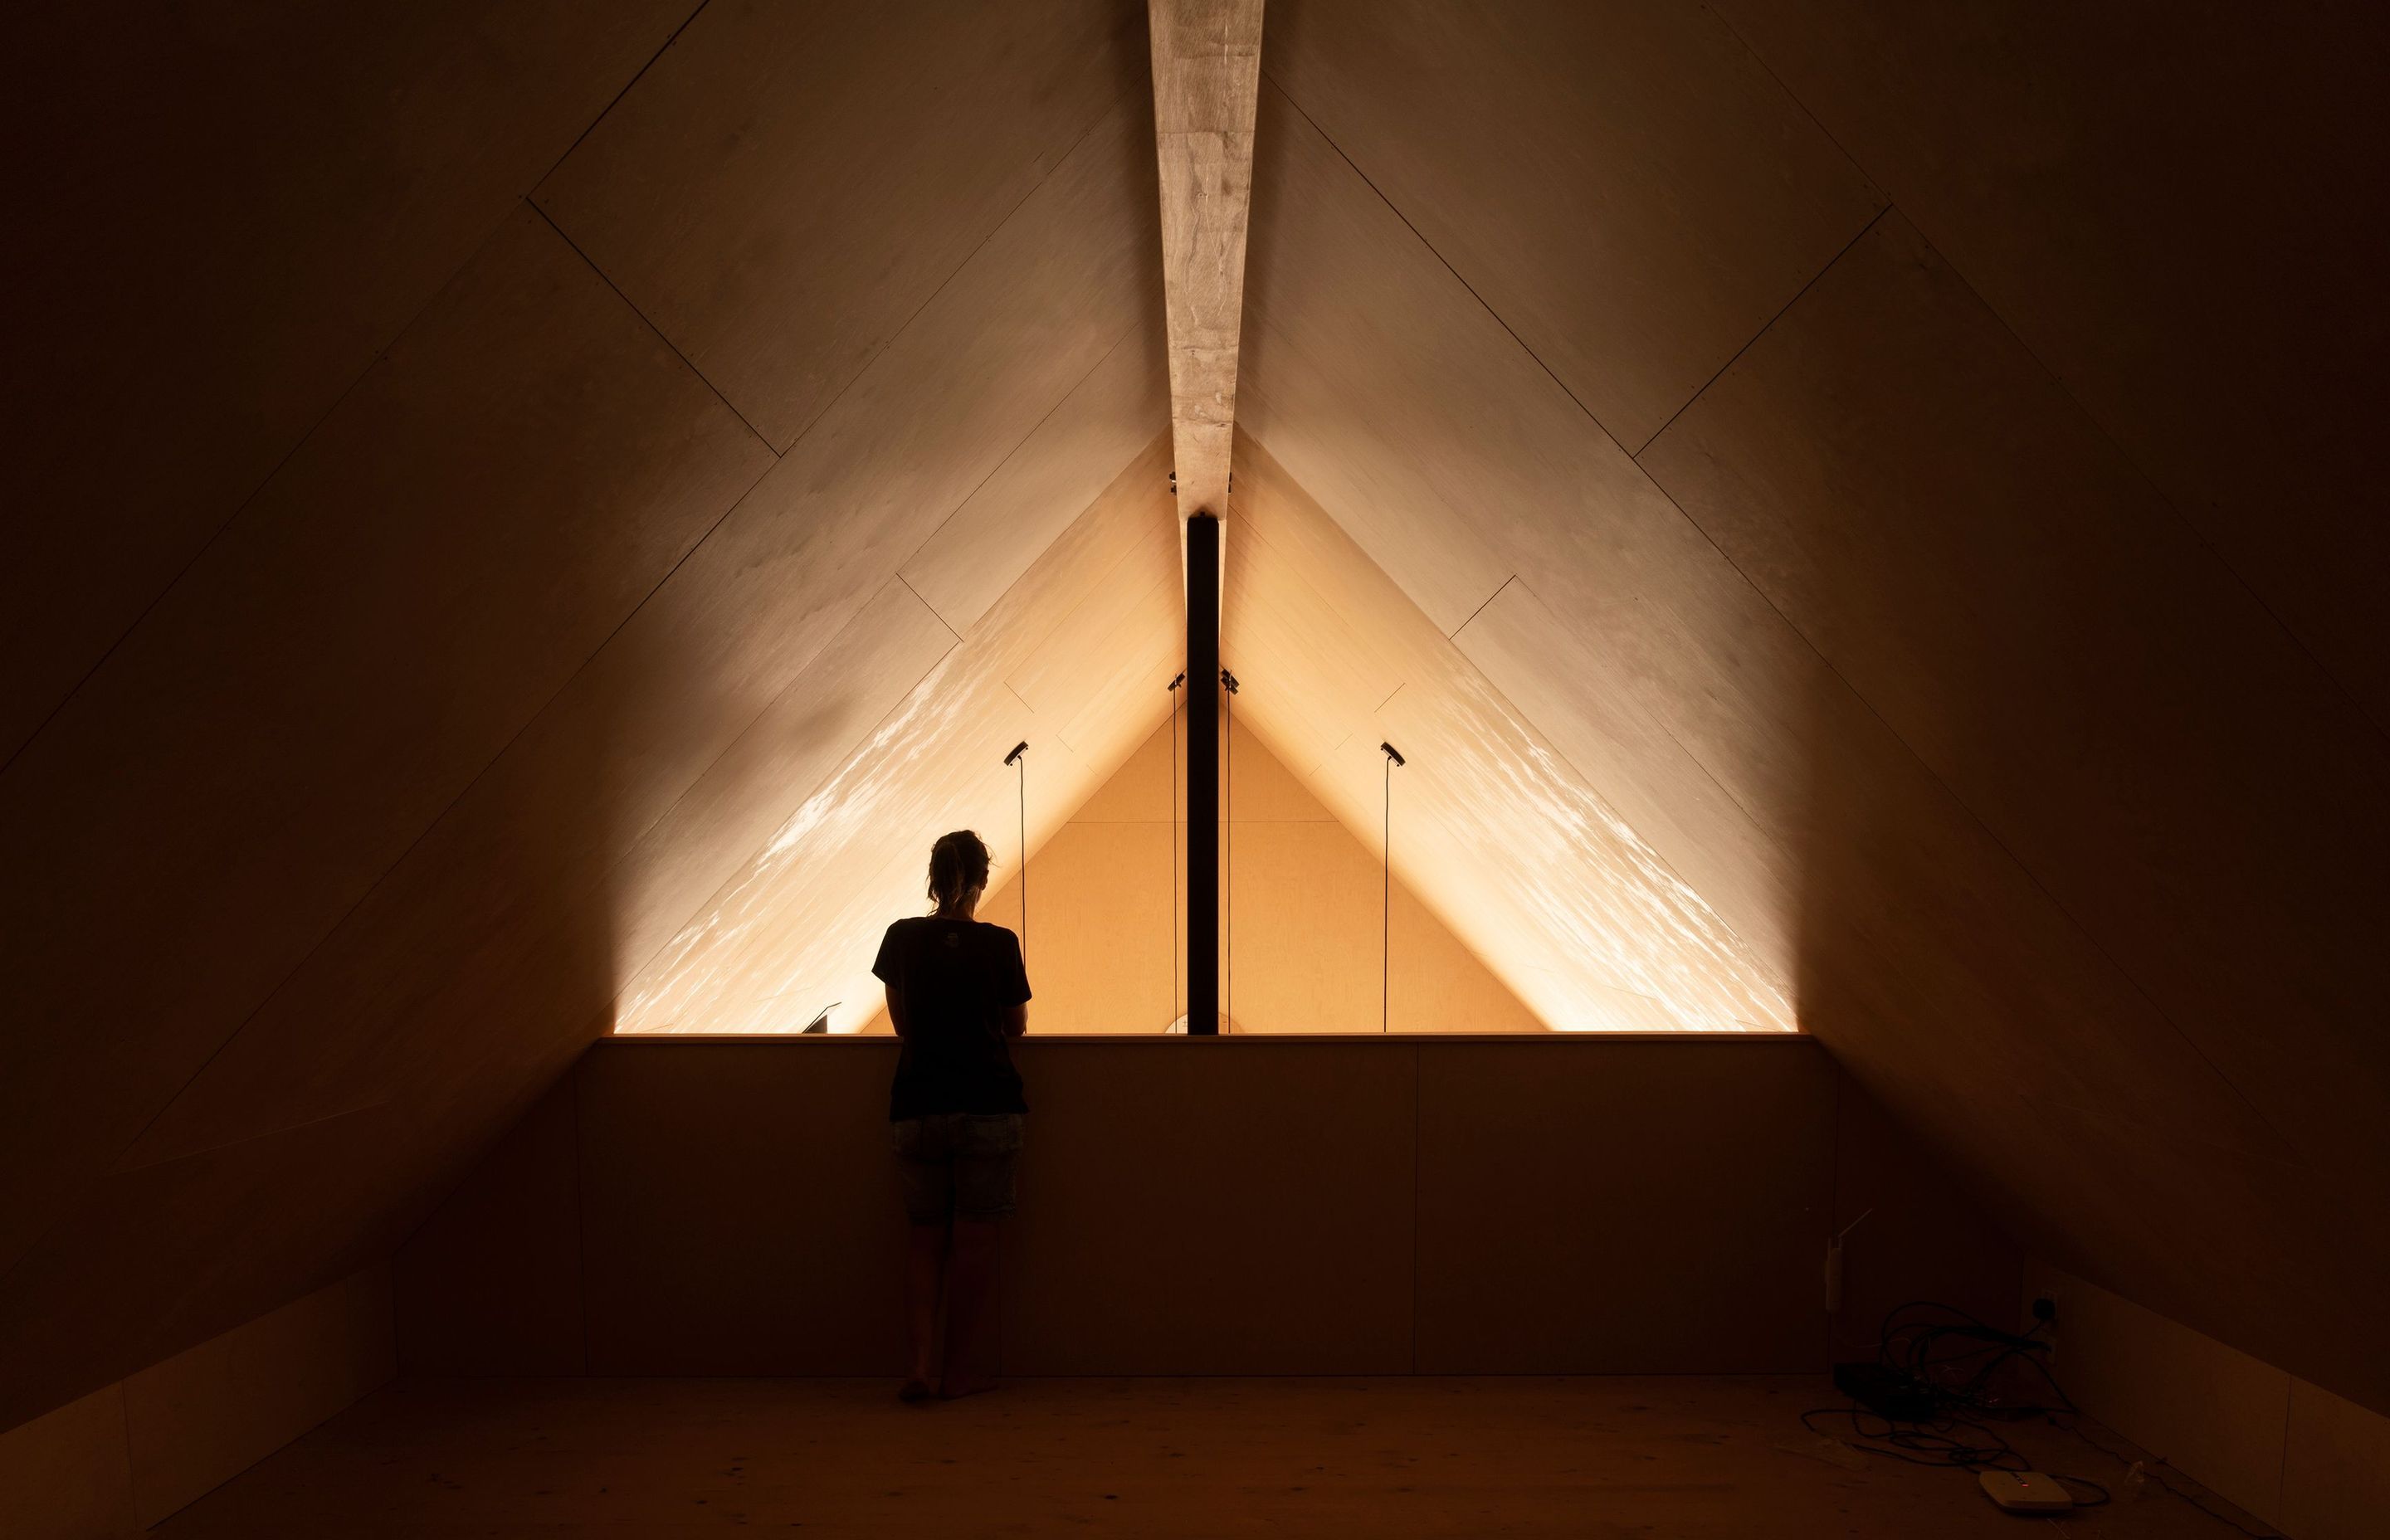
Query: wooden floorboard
[{"x": 1673, "y": 1456}]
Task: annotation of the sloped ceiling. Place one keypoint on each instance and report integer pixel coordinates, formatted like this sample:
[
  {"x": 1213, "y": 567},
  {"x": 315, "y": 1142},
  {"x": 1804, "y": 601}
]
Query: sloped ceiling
[
  {"x": 1908, "y": 654},
  {"x": 1856, "y": 513}
]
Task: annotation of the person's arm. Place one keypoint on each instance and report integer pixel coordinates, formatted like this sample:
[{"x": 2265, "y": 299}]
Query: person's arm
[
  {"x": 1015, "y": 992},
  {"x": 888, "y": 968}
]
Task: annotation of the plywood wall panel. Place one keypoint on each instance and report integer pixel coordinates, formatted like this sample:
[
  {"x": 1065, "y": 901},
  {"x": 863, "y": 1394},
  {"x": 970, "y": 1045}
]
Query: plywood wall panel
[
  {"x": 735, "y": 1202},
  {"x": 413, "y": 586},
  {"x": 1103, "y": 953},
  {"x": 744, "y": 1217},
  {"x": 1913, "y": 492},
  {"x": 2215, "y": 1413},
  {"x": 490, "y": 1283},
  {"x": 1666, "y": 1242},
  {"x": 787, "y": 186},
  {"x": 114, "y": 1463},
  {"x": 2163, "y": 205},
  {"x": 160, "y": 1259},
  {"x": 68, "y": 1473},
  {"x": 224, "y": 216},
  {"x": 2335, "y": 1469},
  {"x": 1915, "y": 1230},
  {"x": 1623, "y": 184},
  {"x": 1301, "y": 943},
  {"x": 1159, "y": 1175},
  {"x": 2298, "y": 1268},
  {"x": 2286, "y": 1450},
  {"x": 1320, "y": 974},
  {"x": 205, "y": 1415}
]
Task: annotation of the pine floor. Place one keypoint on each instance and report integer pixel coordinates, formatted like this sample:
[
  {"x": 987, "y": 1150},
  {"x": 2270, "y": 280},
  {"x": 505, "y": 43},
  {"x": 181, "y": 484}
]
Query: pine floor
[{"x": 1676, "y": 1456}]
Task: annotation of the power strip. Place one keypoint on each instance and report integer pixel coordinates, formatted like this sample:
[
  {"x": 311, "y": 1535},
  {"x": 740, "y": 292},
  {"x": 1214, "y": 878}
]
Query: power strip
[{"x": 2024, "y": 1491}]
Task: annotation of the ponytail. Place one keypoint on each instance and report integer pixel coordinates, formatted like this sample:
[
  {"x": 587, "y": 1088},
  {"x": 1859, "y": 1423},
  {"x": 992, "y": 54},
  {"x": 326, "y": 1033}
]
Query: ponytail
[{"x": 958, "y": 863}]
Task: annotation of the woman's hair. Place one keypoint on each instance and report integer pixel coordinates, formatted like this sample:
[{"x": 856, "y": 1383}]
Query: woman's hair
[{"x": 958, "y": 865}]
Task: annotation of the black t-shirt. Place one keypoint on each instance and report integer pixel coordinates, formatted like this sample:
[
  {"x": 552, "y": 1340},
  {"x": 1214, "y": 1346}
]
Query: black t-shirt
[{"x": 958, "y": 978}]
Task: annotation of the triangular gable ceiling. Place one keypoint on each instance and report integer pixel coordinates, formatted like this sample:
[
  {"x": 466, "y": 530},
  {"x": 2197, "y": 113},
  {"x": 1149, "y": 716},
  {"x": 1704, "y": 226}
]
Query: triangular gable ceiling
[
  {"x": 1734, "y": 486},
  {"x": 1503, "y": 841}
]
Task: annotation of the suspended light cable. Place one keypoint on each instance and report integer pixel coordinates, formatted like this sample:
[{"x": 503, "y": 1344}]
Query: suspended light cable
[
  {"x": 1019, "y": 760},
  {"x": 1228, "y": 847},
  {"x": 1386, "y": 891},
  {"x": 1174, "y": 842}
]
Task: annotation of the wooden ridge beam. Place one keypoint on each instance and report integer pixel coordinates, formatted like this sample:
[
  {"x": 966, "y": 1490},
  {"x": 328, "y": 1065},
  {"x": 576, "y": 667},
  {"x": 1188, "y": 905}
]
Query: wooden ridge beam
[{"x": 1207, "y": 56}]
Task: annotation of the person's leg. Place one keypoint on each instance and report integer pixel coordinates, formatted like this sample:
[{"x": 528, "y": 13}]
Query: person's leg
[
  {"x": 971, "y": 1295},
  {"x": 925, "y": 1256},
  {"x": 927, "y": 1171},
  {"x": 986, "y": 1150}
]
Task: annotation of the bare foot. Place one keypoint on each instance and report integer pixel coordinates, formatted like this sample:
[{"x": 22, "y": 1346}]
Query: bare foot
[{"x": 915, "y": 1388}]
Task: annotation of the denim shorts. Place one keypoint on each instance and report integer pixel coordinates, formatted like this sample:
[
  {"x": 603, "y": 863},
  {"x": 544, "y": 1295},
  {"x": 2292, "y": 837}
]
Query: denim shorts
[{"x": 957, "y": 1163}]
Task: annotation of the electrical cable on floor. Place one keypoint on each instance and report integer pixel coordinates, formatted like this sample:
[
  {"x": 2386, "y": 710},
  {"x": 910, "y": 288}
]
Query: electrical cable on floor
[
  {"x": 2154, "y": 1470},
  {"x": 1941, "y": 1360}
]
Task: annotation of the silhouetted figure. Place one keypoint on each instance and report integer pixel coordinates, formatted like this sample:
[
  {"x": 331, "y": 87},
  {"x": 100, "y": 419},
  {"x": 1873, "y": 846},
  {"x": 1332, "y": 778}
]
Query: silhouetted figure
[{"x": 957, "y": 994}]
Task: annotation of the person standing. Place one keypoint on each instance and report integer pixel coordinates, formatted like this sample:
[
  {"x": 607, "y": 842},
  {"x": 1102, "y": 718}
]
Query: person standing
[{"x": 957, "y": 994}]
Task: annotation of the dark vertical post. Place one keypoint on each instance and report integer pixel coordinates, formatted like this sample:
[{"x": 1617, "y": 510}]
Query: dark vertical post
[{"x": 1202, "y": 775}]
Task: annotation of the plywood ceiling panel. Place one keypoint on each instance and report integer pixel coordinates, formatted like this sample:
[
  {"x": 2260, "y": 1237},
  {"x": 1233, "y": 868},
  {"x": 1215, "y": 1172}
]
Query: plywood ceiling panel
[
  {"x": 1559, "y": 681},
  {"x": 1915, "y": 494},
  {"x": 1881, "y": 888},
  {"x": 1505, "y": 843},
  {"x": 1108, "y": 418},
  {"x": 789, "y": 185},
  {"x": 739, "y": 624},
  {"x": 1920, "y": 947},
  {"x": 409, "y": 591},
  {"x": 532, "y": 904},
  {"x": 1622, "y": 183},
  {"x": 2166, "y": 205},
  {"x": 795, "y": 930},
  {"x": 1496, "y": 470},
  {"x": 224, "y": 215}
]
